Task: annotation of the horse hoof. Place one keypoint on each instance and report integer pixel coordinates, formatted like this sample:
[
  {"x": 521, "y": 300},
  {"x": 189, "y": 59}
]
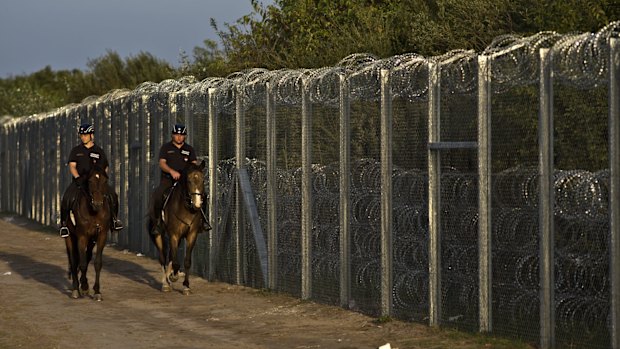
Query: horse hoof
[
  {"x": 187, "y": 291},
  {"x": 98, "y": 297},
  {"x": 75, "y": 294},
  {"x": 165, "y": 288}
]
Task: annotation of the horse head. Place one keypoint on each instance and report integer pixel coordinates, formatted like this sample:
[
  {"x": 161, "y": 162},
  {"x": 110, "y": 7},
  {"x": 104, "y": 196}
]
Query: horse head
[
  {"x": 194, "y": 182},
  {"x": 97, "y": 187}
]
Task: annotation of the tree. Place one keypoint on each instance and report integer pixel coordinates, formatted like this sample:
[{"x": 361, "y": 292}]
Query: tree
[
  {"x": 207, "y": 61},
  {"x": 309, "y": 34}
]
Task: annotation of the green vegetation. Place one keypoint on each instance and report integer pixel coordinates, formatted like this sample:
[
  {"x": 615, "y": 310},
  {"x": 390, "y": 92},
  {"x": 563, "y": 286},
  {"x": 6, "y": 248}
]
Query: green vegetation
[{"x": 383, "y": 320}]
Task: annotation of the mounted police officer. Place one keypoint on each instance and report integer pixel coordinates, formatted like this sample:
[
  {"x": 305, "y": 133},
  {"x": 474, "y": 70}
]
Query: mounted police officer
[
  {"x": 173, "y": 157},
  {"x": 81, "y": 158}
]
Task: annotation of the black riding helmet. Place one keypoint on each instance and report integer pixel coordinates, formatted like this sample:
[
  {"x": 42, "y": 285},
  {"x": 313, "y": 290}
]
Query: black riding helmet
[
  {"x": 86, "y": 129},
  {"x": 179, "y": 129}
]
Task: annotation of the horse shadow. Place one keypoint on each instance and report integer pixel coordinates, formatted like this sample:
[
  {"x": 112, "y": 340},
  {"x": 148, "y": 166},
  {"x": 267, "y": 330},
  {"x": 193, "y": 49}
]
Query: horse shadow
[
  {"x": 130, "y": 270},
  {"x": 47, "y": 274},
  {"x": 57, "y": 277}
]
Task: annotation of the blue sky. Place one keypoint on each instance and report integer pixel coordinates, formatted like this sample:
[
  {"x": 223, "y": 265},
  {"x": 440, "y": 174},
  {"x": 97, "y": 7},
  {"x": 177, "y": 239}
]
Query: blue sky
[{"x": 65, "y": 34}]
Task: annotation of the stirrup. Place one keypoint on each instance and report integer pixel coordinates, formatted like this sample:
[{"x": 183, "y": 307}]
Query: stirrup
[
  {"x": 64, "y": 232},
  {"x": 117, "y": 225}
]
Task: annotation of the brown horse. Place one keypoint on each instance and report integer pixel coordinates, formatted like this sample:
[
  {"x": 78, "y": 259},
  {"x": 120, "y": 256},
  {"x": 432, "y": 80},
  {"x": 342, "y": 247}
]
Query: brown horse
[
  {"x": 88, "y": 226},
  {"x": 182, "y": 218}
]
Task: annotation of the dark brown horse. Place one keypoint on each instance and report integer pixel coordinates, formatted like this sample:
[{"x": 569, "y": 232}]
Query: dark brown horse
[
  {"x": 182, "y": 218},
  {"x": 88, "y": 226}
]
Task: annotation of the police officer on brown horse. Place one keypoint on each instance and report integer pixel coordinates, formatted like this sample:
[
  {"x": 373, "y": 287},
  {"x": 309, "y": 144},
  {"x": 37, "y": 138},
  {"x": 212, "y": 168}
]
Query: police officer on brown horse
[
  {"x": 173, "y": 157},
  {"x": 81, "y": 159}
]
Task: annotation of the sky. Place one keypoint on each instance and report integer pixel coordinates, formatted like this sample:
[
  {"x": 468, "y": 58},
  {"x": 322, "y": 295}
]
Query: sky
[{"x": 65, "y": 34}]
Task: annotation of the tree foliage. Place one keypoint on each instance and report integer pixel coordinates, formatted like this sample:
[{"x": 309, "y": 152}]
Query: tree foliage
[
  {"x": 316, "y": 33},
  {"x": 46, "y": 89}
]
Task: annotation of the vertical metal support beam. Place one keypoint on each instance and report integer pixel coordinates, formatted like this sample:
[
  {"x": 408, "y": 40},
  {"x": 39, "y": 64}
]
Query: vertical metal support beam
[
  {"x": 145, "y": 139},
  {"x": 547, "y": 200},
  {"x": 434, "y": 181},
  {"x": 3, "y": 168},
  {"x": 213, "y": 202},
  {"x": 614, "y": 205},
  {"x": 386, "y": 193},
  {"x": 272, "y": 231},
  {"x": 240, "y": 155},
  {"x": 188, "y": 119},
  {"x": 39, "y": 171},
  {"x": 306, "y": 193},
  {"x": 484, "y": 194},
  {"x": 345, "y": 192},
  {"x": 123, "y": 179}
]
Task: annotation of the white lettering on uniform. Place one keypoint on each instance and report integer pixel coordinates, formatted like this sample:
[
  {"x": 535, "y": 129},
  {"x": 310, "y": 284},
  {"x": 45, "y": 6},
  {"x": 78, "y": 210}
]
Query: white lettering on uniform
[
  {"x": 94, "y": 155},
  {"x": 185, "y": 152}
]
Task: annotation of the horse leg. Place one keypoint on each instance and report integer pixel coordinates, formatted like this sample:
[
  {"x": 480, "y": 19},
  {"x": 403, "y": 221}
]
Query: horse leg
[
  {"x": 190, "y": 241},
  {"x": 158, "y": 241},
  {"x": 71, "y": 245},
  {"x": 101, "y": 238},
  {"x": 83, "y": 264},
  {"x": 174, "y": 265}
]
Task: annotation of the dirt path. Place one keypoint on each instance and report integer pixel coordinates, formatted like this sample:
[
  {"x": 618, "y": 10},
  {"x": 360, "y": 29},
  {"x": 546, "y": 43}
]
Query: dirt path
[{"x": 37, "y": 312}]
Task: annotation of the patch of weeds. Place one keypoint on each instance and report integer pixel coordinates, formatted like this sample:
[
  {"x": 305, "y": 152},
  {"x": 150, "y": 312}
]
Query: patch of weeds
[
  {"x": 383, "y": 320},
  {"x": 265, "y": 292}
]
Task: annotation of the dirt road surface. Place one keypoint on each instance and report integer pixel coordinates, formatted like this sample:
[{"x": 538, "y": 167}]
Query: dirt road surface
[{"x": 36, "y": 310}]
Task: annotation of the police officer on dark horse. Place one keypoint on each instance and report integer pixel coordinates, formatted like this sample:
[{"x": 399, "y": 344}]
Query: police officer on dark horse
[
  {"x": 81, "y": 159},
  {"x": 180, "y": 196},
  {"x": 173, "y": 157}
]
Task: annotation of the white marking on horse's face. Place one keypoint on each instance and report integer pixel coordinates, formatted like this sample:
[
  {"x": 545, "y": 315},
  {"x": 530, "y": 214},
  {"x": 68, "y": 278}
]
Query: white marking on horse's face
[
  {"x": 198, "y": 201},
  {"x": 97, "y": 176}
]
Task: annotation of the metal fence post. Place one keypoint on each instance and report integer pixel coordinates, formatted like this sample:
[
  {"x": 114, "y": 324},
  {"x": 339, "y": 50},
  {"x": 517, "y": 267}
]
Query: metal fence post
[
  {"x": 614, "y": 205},
  {"x": 240, "y": 155},
  {"x": 386, "y": 193},
  {"x": 306, "y": 192},
  {"x": 213, "y": 181},
  {"x": 434, "y": 252},
  {"x": 484, "y": 194},
  {"x": 545, "y": 141},
  {"x": 345, "y": 192},
  {"x": 272, "y": 231}
]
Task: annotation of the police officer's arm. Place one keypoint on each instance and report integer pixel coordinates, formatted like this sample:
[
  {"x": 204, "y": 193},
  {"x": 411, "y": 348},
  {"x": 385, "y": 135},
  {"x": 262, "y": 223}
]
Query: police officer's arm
[
  {"x": 73, "y": 169},
  {"x": 164, "y": 167}
]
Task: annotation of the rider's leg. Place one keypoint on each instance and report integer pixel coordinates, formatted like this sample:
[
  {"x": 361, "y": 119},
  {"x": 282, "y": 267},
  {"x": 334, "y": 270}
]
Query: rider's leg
[
  {"x": 158, "y": 204},
  {"x": 68, "y": 199},
  {"x": 113, "y": 202}
]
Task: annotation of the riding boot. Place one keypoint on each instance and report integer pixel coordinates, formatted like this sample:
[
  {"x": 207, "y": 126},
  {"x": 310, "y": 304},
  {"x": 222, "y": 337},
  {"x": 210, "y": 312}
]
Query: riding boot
[
  {"x": 64, "y": 231},
  {"x": 158, "y": 224},
  {"x": 117, "y": 225},
  {"x": 158, "y": 198}
]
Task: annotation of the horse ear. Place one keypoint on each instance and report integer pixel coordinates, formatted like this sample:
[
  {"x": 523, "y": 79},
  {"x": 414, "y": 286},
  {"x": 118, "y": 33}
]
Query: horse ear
[{"x": 202, "y": 165}]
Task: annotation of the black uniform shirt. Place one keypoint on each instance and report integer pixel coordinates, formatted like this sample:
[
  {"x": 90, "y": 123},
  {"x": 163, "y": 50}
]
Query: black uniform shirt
[
  {"x": 86, "y": 157},
  {"x": 177, "y": 158}
]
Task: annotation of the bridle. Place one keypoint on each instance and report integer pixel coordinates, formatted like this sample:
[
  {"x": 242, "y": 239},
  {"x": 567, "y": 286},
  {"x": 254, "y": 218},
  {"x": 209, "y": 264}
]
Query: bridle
[{"x": 192, "y": 200}]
